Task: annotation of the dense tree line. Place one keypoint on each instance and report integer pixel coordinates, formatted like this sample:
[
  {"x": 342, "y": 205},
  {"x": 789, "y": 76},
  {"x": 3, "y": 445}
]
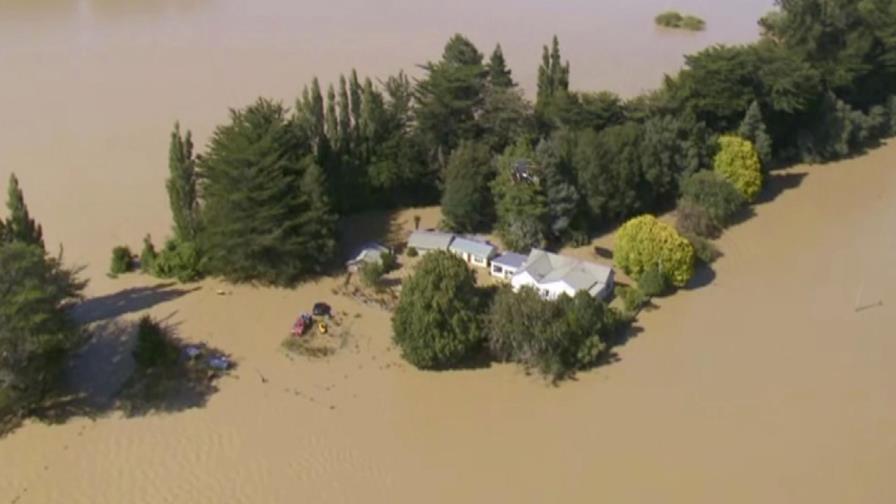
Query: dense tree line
[
  {"x": 36, "y": 289},
  {"x": 261, "y": 203}
]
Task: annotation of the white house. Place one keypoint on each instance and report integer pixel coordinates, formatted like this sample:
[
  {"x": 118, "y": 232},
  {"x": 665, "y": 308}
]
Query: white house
[
  {"x": 552, "y": 275},
  {"x": 370, "y": 252},
  {"x": 427, "y": 241},
  {"x": 475, "y": 252},
  {"x": 507, "y": 264}
]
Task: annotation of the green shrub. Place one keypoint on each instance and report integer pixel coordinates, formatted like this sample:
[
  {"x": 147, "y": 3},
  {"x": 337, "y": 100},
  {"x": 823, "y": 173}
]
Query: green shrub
[
  {"x": 693, "y": 219},
  {"x": 371, "y": 273},
  {"x": 412, "y": 252},
  {"x": 653, "y": 282},
  {"x": 632, "y": 297},
  {"x": 715, "y": 195},
  {"x": 148, "y": 255},
  {"x": 693, "y": 23},
  {"x": 704, "y": 249},
  {"x": 644, "y": 242},
  {"x": 388, "y": 261},
  {"x": 154, "y": 348},
  {"x": 178, "y": 260},
  {"x": 122, "y": 260},
  {"x": 554, "y": 338},
  {"x": 672, "y": 19},
  {"x": 437, "y": 321},
  {"x": 738, "y": 162}
]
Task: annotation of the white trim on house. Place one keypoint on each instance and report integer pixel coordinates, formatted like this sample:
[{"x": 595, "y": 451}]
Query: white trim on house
[
  {"x": 506, "y": 265},
  {"x": 477, "y": 253}
]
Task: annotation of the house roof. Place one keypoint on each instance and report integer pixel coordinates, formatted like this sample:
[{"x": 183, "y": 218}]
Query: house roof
[
  {"x": 546, "y": 268},
  {"x": 430, "y": 240},
  {"x": 472, "y": 247},
  {"x": 369, "y": 251},
  {"x": 510, "y": 260}
]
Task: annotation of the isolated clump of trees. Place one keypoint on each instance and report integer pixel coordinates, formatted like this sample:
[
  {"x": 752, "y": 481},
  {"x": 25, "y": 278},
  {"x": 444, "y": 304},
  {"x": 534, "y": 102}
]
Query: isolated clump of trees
[{"x": 673, "y": 19}]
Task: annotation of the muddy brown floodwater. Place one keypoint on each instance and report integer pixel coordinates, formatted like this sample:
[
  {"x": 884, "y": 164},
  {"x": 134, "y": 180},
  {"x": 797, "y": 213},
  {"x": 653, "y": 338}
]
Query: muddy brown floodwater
[{"x": 770, "y": 382}]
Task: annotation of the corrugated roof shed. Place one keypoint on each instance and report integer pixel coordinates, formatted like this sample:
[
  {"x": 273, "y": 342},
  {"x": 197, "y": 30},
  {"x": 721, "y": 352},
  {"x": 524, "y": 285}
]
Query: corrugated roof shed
[
  {"x": 472, "y": 247},
  {"x": 430, "y": 240}
]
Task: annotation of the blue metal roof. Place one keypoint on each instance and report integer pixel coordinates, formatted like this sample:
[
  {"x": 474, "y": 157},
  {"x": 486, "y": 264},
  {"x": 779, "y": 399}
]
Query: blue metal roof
[{"x": 510, "y": 260}]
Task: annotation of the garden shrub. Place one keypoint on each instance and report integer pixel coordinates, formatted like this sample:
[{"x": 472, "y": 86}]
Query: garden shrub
[
  {"x": 122, "y": 260},
  {"x": 715, "y": 195},
  {"x": 437, "y": 321},
  {"x": 154, "y": 347},
  {"x": 653, "y": 282},
  {"x": 738, "y": 162},
  {"x": 645, "y": 242},
  {"x": 412, "y": 252}
]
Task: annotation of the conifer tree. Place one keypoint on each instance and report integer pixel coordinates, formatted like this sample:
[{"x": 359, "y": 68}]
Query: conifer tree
[
  {"x": 256, "y": 213},
  {"x": 450, "y": 96},
  {"x": 181, "y": 185},
  {"x": 354, "y": 88},
  {"x": 332, "y": 119},
  {"x": 345, "y": 115},
  {"x": 753, "y": 129},
  {"x": 316, "y": 110},
  {"x": 499, "y": 76},
  {"x": 520, "y": 203},
  {"x": 20, "y": 227}
]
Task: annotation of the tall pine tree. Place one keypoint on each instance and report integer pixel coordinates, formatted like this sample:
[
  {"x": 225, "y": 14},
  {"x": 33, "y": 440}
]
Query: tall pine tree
[
  {"x": 181, "y": 185},
  {"x": 20, "y": 227},
  {"x": 332, "y": 129},
  {"x": 256, "y": 213},
  {"x": 499, "y": 76},
  {"x": 450, "y": 96},
  {"x": 466, "y": 203},
  {"x": 345, "y": 115}
]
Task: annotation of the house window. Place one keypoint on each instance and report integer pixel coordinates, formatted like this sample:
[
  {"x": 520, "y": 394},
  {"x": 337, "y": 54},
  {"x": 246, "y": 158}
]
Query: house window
[{"x": 497, "y": 269}]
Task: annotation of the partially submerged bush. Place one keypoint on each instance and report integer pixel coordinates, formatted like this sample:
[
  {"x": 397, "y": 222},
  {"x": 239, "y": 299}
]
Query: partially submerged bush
[
  {"x": 693, "y": 219},
  {"x": 437, "y": 321},
  {"x": 738, "y": 162},
  {"x": 148, "y": 255},
  {"x": 706, "y": 252},
  {"x": 388, "y": 261},
  {"x": 412, "y": 252},
  {"x": 154, "y": 349},
  {"x": 371, "y": 273},
  {"x": 178, "y": 260},
  {"x": 632, "y": 297},
  {"x": 653, "y": 282},
  {"x": 644, "y": 242},
  {"x": 122, "y": 260},
  {"x": 672, "y": 19},
  {"x": 715, "y": 195},
  {"x": 554, "y": 338}
]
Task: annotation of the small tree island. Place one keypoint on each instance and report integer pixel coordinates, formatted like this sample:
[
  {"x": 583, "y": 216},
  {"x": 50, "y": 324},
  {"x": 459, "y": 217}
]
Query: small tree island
[{"x": 673, "y": 19}]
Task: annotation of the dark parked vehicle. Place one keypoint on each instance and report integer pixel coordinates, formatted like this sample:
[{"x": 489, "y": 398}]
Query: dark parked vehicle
[{"x": 321, "y": 310}]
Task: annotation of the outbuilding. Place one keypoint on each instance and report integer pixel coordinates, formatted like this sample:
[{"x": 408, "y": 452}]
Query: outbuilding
[
  {"x": 475, "y": 252},
  {"x": 370, "y": 252},
  {"x": 427, "y": 241}
]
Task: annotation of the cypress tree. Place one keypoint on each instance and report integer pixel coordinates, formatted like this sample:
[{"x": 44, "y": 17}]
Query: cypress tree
[
  {"x": 20, "y": 227},
  {"x": 753, "y": 129},
  {"x": 465, "y": 201},
  {"x": 553, "y": 83},
  {"x": 318, "y": 220},
  {"x": 255, "y": 213},
  {"x": 332, "y": 119},
  {"x": 181, "y": 185},
  {"x": 499, "y": 75},
  {"x": 316, "y": 110},
  {"x": 354, "y": 89},
  {"x": 345, "y": 114}
]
